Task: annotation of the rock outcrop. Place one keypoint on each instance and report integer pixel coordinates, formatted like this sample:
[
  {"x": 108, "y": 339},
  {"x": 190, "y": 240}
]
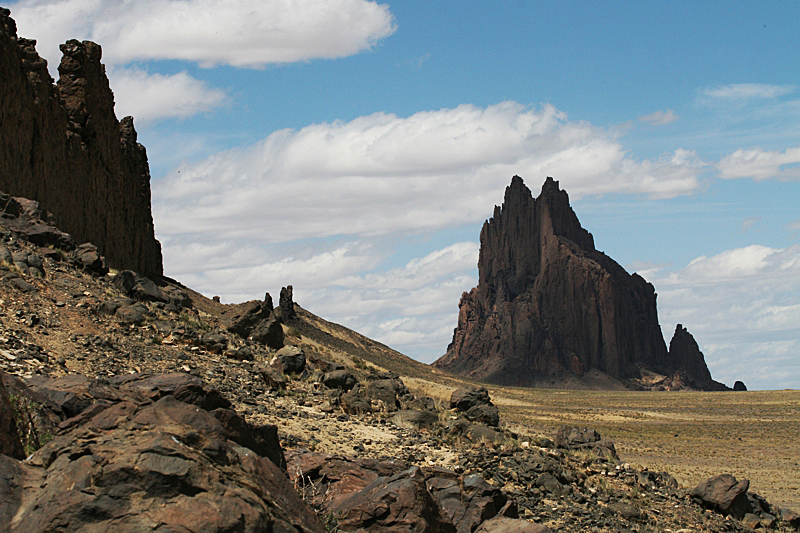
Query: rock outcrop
[
  {"x": 149, "y": 453},
  {"x": 62, "y": 146},
  {"x": 549, "y": 305}
]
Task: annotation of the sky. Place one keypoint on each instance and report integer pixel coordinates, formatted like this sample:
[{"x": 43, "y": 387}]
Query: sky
[{"x": 353, "y": 149}]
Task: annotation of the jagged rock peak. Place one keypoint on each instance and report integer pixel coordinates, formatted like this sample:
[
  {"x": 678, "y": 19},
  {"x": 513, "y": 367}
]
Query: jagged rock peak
[
  {"x": 62, "y": 145},
  {"x": 686, "y": 355},
  {"x": 550, "y": 309},
  {"x": 511, "y": 241}
]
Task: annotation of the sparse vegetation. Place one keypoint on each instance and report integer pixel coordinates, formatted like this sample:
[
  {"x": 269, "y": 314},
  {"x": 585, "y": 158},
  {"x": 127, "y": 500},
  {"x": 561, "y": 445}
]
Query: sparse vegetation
[{"x": 23, "y": 411}]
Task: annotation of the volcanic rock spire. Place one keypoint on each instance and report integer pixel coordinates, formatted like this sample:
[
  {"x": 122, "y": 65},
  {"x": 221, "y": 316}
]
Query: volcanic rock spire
[
  {"x": 63, "y": 146},
  {"x": 549, "y": 306}
]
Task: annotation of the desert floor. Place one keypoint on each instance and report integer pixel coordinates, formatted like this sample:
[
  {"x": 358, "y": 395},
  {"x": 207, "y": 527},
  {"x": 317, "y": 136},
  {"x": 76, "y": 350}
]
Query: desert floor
[{"x": 692, "y": 435}]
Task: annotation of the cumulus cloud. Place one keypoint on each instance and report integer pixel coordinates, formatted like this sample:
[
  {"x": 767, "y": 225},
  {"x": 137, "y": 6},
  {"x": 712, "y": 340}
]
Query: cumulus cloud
[
  {"x": 761, "y": 164},
  {"x": 659, "y": 118},
  {"x": 151, "y": 97},
  {"x": 382, "y": 174},
  {"x": 743, "y": 307},
  {"x": 747, "y": 91},
  {"x": 243, "y": 33}
]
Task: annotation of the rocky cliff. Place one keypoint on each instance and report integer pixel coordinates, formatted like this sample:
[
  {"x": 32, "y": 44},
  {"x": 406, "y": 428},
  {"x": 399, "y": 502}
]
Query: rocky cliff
[
  {"x": 63, "y": 146},
  {"x": 548, "y": 305}
]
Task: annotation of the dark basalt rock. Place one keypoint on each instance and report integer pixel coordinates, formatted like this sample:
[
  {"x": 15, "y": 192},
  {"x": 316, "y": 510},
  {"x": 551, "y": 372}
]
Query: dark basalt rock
[
  {"x": 286, "y": 304},
  {"x": 256, "y": 321},
  {"x": 149, "y": 453},
  {"x": 62, "y": 146},
  {"x": 289, "y": 360},
  {"x": 725, "y": 495},
  {"x": 687, "y": 358},
  {"x": 549, "y": 305},
  {"x": 739, "y": 386}
]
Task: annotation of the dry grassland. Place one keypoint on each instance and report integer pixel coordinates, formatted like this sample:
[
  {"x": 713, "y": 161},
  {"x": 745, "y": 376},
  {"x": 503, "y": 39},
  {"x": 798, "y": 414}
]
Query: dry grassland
[{"x": 692, "y": 435}]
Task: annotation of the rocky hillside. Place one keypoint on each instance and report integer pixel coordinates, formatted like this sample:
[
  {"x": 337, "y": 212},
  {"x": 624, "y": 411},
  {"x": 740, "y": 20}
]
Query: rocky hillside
[
  {"x": 62, "y": 145},
  {"x": 131, "y": 405},
  {"x": 551, "y": 310}
]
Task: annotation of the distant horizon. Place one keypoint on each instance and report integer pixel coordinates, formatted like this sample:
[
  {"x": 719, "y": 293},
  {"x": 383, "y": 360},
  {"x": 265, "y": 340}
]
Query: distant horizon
[{"x": 353, "y": 149}]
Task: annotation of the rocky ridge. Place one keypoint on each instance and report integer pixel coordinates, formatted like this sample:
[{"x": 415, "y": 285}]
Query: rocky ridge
[
  {"x": 62, "y": 145},
  {"x": 549, "y": 307},
  {"x": 134, "y": 418}
]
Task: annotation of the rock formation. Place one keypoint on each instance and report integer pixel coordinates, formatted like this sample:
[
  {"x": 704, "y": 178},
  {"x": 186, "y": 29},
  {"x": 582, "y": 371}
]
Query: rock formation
[
  {"x": 63, "y": 146},
  {"x": 549, "y": 305}
]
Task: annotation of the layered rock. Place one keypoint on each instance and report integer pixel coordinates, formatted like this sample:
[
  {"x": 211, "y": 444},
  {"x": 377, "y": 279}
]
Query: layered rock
[
  {"x": 148, "y": 453},
  {"x": 548, "y": 304},
  {"x": 62, "y": 146}
]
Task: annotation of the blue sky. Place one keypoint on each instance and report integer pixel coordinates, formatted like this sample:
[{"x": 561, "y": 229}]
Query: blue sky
[{"x": 353, "y": 149}]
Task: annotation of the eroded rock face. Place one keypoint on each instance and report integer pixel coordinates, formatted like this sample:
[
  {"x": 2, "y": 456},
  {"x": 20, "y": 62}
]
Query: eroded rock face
[
  {"x": 149, "y": 453},
  {"x": 687, "y": 357},
  {"x": 62, "y": 146},
  {"x": 549, "y": 304}
]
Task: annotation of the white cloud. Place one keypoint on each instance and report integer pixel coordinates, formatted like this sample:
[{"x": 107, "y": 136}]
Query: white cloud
[
  {"x": 746, "y": 91},
  {"x": 382, "y": 174},
  {"x": 761, "y": 164},
  {"x": 150, "y": 97},
  {"x": 659, "y": 118},
  {"x": 244, "y": 33},
  {"x": 743, "y": 307}
]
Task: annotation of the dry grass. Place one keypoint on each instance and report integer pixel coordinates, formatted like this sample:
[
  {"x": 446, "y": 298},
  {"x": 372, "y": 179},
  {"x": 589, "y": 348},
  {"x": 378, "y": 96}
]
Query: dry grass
[{"x": 692, "y": 435}]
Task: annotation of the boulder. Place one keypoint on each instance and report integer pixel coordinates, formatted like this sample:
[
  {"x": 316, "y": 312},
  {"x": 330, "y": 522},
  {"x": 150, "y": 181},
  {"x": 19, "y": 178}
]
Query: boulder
[
  {"x": 339, "y": 379},
  {"x": 261, "y": 439},
  {"x": 485, "y": 414},
  {"x": 790, "y": 517},
  {"x": 475, "y": 404},
  {"x": 586, "y": 439},
  {"x": 399, "y": 504},
  {"x": 724, "y": 494},
  {"x": 739, "y": 386},
  {"x": 467, "y": 501},
  {"x": 87, "y": 257},
  {"x": 420, "y": 403},
  {"x": 254, "y": 320},
  {"x": 353, "y": 402},
  {"x": 134, "y": 314},
  {"x": 138, "y": 287},
  {"x": 268, "y": 332},
  {"x": 289, "y": 360},
  {"x": 140, "y": 458},
  {"x": 465, "y": 397},
  {"x": 385, "y": 392}
]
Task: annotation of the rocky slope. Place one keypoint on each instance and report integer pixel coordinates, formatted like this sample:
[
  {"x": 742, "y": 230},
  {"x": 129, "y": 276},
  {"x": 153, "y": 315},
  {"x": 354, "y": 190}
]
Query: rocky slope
[
  {"x": 549, "y": 307},
  {"x": 63, "y": 146},
  {"x": 147, "y": 407}
]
